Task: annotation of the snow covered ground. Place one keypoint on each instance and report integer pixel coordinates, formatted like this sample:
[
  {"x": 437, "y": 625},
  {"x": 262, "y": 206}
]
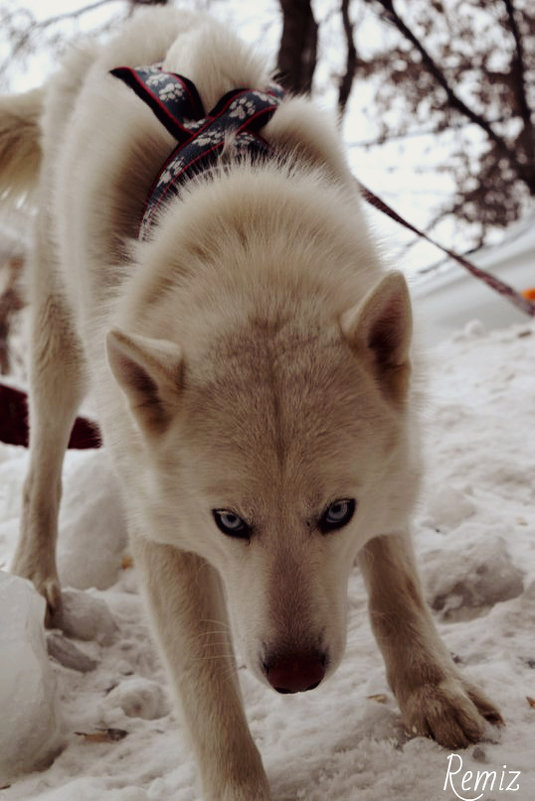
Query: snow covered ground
[
  {"x": 475, "y": 534},
  {"x": 449, "y": 297}
]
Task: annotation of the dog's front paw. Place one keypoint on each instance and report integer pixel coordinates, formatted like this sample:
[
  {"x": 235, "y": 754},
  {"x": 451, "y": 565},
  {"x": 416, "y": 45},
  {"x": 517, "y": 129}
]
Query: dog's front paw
[
  {"x": 453, "y": 712},
  {"x": 47, "y": 585},
  {"x": 260, "y": 793}
]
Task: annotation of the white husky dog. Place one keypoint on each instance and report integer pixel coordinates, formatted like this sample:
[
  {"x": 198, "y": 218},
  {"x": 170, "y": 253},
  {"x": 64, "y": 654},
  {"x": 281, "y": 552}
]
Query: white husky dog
[{"x": 250, "y": 359}]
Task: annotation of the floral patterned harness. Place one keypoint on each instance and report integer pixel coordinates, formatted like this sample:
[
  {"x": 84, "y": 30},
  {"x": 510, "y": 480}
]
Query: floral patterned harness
[{"x": 201, "y": 137}]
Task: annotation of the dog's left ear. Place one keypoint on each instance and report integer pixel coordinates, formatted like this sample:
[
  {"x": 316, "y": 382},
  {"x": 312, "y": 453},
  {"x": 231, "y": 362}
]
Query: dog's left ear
[
  {"x": 380, "y": 330},
  {"x": 149, "y": 371}
]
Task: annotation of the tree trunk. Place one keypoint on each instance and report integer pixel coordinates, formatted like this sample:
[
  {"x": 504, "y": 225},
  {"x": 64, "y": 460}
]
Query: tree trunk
[{"x": 298, "y": 48}]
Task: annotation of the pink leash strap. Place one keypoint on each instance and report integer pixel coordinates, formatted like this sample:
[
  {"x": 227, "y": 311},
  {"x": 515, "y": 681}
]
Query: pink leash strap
[{"x": 504, "y": 289}]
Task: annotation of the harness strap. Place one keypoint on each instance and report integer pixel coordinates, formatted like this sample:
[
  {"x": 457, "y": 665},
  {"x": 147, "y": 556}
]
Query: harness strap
[
  {"x": 171, "y": 97},
  {"x": 201, "y": 137}
]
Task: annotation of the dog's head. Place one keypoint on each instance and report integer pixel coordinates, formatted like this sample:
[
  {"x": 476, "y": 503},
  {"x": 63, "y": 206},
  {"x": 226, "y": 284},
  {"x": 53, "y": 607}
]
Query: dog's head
[{"x": 276, "y": 457}]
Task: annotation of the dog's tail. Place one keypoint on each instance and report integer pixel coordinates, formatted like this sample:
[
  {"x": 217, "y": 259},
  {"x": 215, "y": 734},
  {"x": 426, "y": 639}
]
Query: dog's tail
[{"x": 20, "y": 143}]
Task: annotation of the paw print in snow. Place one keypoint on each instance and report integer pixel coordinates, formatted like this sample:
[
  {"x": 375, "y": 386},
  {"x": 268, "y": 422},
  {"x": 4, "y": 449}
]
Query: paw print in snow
[{"x": 241, "y": 108}]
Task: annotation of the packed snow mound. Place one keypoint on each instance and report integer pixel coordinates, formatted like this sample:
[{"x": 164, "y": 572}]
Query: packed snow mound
[
  {"x": 87, "y": 617},
  {"x": 91, "y": 522},
  {"x": 93, "y": 790},
  {"x": 465, "y": 583},
  {"x": 30, "y": 727},
  {"x": 447, "y": 507},
  {"x": 68, "y": 654},
  {"x": 139, "y": 698}
]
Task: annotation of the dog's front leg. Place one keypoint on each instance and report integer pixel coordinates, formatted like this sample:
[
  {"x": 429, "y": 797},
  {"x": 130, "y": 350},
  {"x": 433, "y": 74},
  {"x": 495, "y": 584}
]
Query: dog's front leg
[
  {"x": 187, "y": 608},
  {"x": 58, "y": 382},
  {"x": 433, "y": 696}
]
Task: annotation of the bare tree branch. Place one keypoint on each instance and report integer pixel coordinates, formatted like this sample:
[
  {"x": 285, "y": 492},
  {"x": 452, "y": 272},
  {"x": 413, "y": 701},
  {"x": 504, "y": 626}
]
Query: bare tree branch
[
  {"x": 397, "y": 136},
  {"x": 454, "y": 100},
  {"x": 298, "y": 48},
  {"x": 22, "y": 42},
  {"x": 520, "y": 87},
  {"x": 46, "y": 23},
  {"x": 346, "y": 82}
]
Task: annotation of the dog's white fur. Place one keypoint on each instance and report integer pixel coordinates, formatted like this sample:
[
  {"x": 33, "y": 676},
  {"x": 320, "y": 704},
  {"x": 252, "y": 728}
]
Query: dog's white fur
[{"x": 257, "y": 360}]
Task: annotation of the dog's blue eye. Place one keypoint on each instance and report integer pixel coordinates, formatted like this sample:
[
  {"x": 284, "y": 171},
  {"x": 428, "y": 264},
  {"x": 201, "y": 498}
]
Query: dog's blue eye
[
  {"x": 230, "y": 524},
  {"x": 337, "y": 515}
]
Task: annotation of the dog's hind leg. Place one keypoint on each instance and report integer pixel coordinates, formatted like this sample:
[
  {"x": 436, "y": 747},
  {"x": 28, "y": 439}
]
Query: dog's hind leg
[
  {"x": 57, "y": 381},
  {"x": 433, "y": 696},
  {"x": 187, "y": 607}
]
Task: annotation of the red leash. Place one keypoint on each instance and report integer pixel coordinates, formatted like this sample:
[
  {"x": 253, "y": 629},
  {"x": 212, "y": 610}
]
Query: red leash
[{"x": 521, "y": 302}]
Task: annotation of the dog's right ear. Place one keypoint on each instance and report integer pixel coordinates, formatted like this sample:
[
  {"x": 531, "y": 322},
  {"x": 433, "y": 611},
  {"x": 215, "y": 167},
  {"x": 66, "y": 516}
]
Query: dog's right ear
[
  {"x": 149, "y": 371},
  {"x": 380, "y": 329}
]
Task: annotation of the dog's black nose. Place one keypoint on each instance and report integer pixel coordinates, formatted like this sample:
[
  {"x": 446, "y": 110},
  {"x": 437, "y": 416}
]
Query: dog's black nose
[{"x": 295, "y": 672}]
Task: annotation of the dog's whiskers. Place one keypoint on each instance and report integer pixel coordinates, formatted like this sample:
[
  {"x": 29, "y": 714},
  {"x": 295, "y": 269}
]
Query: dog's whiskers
[
  {"x": 223, "y": 657},
  {"x": 217, "y": 622},
  {"x": 221, "y": 632}
]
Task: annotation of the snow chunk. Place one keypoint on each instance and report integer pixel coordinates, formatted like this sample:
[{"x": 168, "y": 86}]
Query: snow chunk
[
  {"x": 86, "y": 617},
  {"x": 466, "y": 582},
  {"x": 90, "y": 788},
  {"x": 30, "y": 734},
  {"x": 68, "y": 654},
  {"x": 447, "y": 507},
  {"x": 474, "y": 329},
  {"x": 92, "y": 528},
  {"x": 140, "y": 698}
]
